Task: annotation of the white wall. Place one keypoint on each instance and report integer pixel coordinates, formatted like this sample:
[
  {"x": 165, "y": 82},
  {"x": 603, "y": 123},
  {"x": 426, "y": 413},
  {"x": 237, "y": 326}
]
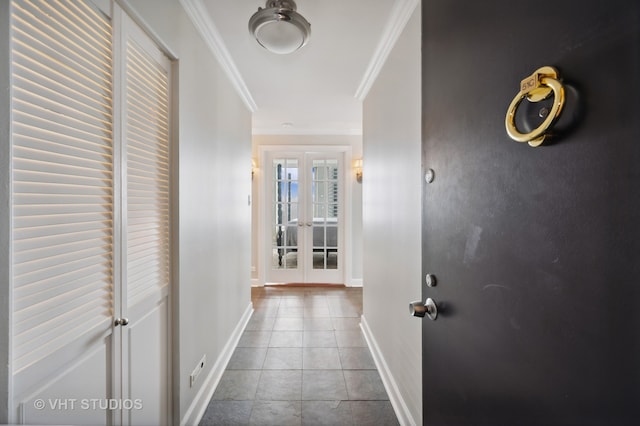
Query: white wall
[
  {"x": 355, "y": 142},
  {"x": 392, "y": 220},
  {"x": 214, "y": 215}
]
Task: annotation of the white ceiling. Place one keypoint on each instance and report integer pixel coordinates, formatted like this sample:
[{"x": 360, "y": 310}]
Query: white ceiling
[{"x": 318, "y": 89}]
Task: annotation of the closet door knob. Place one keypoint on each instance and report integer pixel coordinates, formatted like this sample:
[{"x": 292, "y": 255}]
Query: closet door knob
[{"x": 121, "y": 321}]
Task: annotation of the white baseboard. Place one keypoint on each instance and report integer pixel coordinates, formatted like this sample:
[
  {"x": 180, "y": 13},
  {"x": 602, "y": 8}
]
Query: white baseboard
[
  {"x": 201, "y": 401},
  {"x": 356, "y": 282},
  {"x": 399, "y": 406}
]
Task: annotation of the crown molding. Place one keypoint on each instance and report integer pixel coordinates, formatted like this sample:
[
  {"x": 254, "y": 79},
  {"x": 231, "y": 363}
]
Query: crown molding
[
  {"x": 400, "y": 14},
  {"x": 201, "y": 19}
]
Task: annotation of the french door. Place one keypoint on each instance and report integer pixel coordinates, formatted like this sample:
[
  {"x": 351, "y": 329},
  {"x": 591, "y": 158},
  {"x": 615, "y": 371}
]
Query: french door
[{"x": 304, "y": 212}]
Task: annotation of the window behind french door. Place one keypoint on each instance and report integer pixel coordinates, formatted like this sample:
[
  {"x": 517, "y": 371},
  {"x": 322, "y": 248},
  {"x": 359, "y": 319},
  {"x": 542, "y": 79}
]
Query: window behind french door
[{"x": 305, "y": 217}]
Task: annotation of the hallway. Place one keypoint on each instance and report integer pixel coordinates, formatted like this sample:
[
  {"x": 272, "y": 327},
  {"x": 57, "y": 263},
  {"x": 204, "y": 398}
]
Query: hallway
[
  {"x": 302, "y": 360},
  {"x": 108, "y": 293}
]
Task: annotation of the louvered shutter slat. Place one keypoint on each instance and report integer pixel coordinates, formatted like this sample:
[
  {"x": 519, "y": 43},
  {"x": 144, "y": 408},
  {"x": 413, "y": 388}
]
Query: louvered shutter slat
[
  {"x": 50, "y": 258},
  {"x": 88, "y": 109},
  {"x": 26, "y": 221},
  {"x": 61, "y": 272},
  {"x": 39, "y": 209},
  {"x": 70, "y": 280},
  {"x": 29, "y": 319},
  {"x": 48, "y": 30},
  {"x": 31, "y": 296},
  {"x": 74, "y": 323}
]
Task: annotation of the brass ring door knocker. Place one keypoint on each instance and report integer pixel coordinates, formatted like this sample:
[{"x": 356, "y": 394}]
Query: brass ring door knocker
[{"x": 540, "y": 85}]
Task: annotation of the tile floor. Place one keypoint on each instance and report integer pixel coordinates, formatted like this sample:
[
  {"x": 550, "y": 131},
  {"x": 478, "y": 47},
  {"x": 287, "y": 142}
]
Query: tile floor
[{"x": 302, "y": 360}]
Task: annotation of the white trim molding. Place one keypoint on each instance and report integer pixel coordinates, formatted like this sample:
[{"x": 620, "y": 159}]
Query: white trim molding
[
  {"x": 263, "y": 152},
  {"x": 6, "y": 284},
  {"x": 131, "y": 11},
  {"x": 198, "y": 406},
  {"x": 356, "y": 282},
  {"x": 400, "y": 14},
  {"x": 201, "y": 19},
  {"x": 306, "y": 132},
  {"x": 399, "y": 406}
]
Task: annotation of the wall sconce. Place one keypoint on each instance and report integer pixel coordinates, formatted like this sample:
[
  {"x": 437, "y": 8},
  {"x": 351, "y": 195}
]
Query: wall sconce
[
  {"x": 357, "y": 167},
  {"x": 254, "y": 166}
]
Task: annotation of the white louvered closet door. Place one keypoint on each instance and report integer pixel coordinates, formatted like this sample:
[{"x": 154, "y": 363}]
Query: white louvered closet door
[
  {"x": 90, "y": 207},
  {"x": 62, "y": 210},
  {"x": 145, "y": 227}
]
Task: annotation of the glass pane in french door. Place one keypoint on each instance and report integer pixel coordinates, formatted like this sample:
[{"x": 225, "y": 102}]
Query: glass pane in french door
[
  {"x": 324, "y": 205},
  {"x": 285, "y": 204}
]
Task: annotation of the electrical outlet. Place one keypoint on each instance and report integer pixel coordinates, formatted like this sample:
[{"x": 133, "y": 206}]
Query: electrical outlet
[{"x": 196, "y": 371}]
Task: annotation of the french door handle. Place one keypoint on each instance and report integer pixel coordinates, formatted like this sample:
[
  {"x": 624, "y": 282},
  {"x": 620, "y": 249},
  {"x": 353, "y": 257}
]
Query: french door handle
[{"x": 309, "y": 224}]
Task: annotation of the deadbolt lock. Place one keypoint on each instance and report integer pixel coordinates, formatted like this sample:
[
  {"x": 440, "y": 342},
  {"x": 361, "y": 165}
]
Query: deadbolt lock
[
  {"x": 429, "y": 175},
  {"x": 430, "y": 280}
]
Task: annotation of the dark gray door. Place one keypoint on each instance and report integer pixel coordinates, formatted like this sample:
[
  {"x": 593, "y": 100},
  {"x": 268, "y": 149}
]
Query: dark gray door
[{"x": 536, "y": 250}]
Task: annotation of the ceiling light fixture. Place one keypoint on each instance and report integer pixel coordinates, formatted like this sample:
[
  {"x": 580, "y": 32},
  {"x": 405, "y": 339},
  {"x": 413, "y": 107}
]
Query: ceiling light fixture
[{"x": 279, "y": 28}]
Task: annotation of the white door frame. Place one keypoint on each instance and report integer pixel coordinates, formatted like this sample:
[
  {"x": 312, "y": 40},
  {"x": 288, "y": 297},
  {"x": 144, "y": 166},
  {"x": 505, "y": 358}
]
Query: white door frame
[{"x": 263, "y": 257}]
